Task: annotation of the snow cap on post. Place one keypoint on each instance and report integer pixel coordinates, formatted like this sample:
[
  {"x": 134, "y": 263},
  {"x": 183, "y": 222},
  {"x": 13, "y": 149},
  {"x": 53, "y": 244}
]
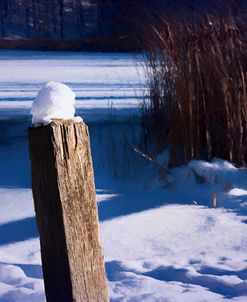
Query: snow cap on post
[{"x": 54, "y": 100}]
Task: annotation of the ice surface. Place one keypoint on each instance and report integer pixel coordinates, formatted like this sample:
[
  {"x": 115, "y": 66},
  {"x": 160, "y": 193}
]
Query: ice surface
[
  {"x": 54, "y": 100},
  {"x": 101, "y": 81}
]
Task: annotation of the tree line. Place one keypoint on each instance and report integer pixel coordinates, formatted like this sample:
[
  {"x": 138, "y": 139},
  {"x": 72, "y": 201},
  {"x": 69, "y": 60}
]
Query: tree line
[
  {"x": 105, "y": 24},
  {"x": 110, "y": 23}
]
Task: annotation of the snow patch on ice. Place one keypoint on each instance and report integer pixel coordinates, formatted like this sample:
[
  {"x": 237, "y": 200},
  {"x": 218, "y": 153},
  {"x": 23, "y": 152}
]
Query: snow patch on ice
[{"x": 238, "y": 192}]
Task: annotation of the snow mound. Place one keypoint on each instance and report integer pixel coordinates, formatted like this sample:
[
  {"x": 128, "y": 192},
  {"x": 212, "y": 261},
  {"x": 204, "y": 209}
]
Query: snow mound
[{"x": 54, "y": 100}]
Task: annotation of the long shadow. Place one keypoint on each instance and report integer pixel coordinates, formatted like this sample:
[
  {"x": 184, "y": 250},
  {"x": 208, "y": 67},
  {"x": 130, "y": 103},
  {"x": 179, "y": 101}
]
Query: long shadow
[
  {"x": 116, "y": 272},
  {"x": 14, "y": 158},
  {"x": 32, "y": 270},
  {"x": 234, "y": 203},
  {"x": 214, "y": 285},
  {"x": 128, "y": 203},
  {"x": 18, "y": 231},
  {"x": 221, "y": 272}
]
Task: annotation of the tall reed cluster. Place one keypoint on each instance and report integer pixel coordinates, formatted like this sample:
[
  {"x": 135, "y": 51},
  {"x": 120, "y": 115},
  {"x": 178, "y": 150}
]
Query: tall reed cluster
[{"x": 197, "y": 74}]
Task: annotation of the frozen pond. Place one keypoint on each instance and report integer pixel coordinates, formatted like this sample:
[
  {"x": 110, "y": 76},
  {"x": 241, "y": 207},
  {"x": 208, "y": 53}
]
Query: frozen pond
[{"x": 99, "y": 80}]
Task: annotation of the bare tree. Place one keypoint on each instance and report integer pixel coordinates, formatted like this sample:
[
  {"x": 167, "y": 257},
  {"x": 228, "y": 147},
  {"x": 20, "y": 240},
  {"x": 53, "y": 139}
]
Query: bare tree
[{"x": 3, "y": 15}]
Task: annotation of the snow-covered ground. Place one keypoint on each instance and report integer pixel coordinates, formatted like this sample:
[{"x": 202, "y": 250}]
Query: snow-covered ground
[{"x": 162, "y": 240}]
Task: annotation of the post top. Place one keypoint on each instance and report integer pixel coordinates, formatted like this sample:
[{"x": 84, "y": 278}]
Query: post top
[{"x": 59, "y": 122}]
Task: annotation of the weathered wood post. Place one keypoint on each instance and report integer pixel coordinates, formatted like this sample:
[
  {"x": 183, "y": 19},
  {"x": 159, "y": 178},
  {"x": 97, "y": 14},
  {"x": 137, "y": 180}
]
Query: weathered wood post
[
  {"x": 214, "y": 200},
  {"x": 66, "y": 212}
]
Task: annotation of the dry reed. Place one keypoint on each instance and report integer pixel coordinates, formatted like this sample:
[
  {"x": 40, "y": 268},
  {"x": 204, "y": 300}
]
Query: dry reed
[{"x": 197, "y": 74}]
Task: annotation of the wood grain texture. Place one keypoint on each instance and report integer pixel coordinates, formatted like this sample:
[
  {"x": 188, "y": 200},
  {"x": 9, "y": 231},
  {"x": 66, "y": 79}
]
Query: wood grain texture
[{"x": 66, "y": 211}]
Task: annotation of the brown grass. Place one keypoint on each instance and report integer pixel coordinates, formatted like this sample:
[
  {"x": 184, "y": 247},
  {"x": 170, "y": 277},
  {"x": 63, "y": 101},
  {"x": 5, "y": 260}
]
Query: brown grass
[{"x": 197, "y": 74}]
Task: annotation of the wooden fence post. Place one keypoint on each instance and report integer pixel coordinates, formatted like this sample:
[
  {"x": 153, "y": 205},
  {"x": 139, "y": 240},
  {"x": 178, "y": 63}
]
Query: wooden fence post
[
  {"x": 66, "y": 212},
  {"x": 214, "y": 200}
]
